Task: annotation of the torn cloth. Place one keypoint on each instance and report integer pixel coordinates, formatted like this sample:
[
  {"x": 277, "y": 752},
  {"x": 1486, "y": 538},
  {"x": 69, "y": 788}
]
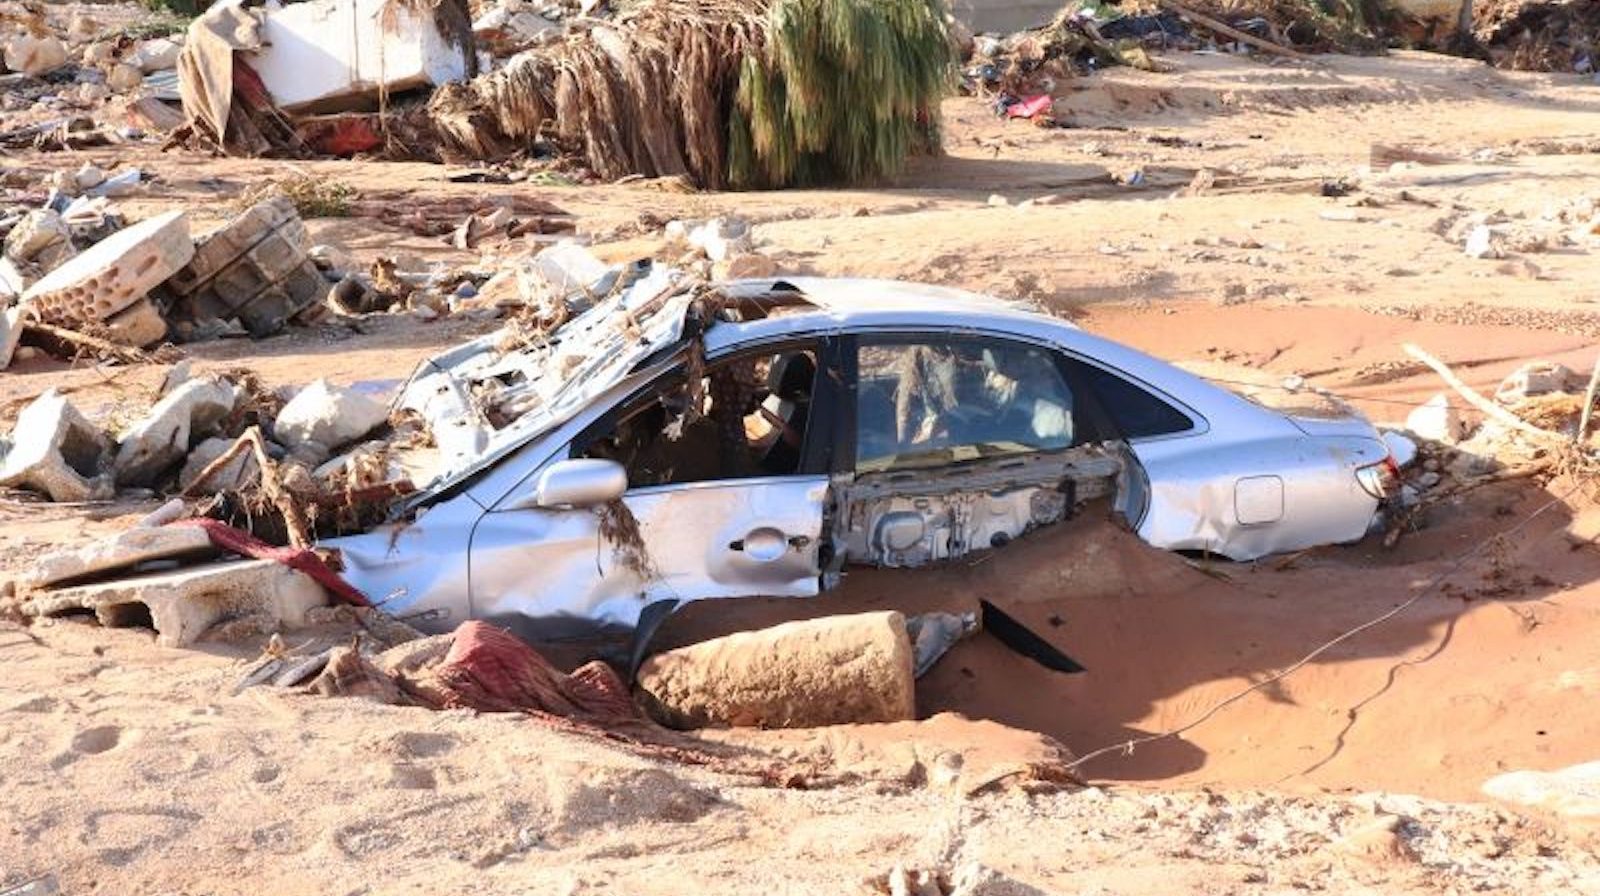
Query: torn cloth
[
  {"x": 205, "y": 68},
  {"x": 302, "y": 560},
  {"x": 491, "y": 670}
]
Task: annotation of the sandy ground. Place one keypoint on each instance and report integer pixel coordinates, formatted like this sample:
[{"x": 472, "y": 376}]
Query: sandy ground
[{"x": 126, "y": 768}]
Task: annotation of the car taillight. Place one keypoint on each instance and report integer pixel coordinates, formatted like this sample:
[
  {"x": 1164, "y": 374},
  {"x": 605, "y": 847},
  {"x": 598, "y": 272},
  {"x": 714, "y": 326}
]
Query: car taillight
[{"x": 1380, "y": 480}]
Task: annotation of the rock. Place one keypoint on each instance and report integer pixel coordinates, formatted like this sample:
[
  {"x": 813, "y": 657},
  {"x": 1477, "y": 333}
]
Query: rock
[
  {"x": 99, "y": 54},
  {"x": 157, "y": 55},
  {"x": 1536, "y": 378},
  {"x": 835, "y": 670},
  {"x": 115, "y": 272},
  {"x": 1484, "y": 242},
  {"x": 331, "y": 259},
  {"x": 183, "y": 604},
  {"x": 330, "y": 416},
  {"x": 163, "y": 438},
  {"x": 35, "y": 56},
  {"x": 1437, "y": 420},
  {"x": 1379, "y": 842},
  {"x": 239, "y": 472},
  {"x": 56, "y": 451},
  {"x": 124, "y": 550},
  {"x": 40, "y": 237},
  {"x": 721, "y": 238},
  {"x": 1572, "y": 792},
  {"x": 997, "y": 201},
  {"x": 124, "y": 78},
  {"x": 90, "y": 175}
]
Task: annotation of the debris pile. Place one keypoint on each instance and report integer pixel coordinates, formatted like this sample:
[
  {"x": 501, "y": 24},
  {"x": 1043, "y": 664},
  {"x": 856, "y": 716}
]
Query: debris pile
[
  {"x": 1539, "y": 35},
  {"x": 76, "y": 80},
  {"x": 1537, "y": 422},
  {"x": 766, "y": 95}
]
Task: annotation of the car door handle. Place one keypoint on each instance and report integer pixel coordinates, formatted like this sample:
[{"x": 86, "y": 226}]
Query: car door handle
[{"x": 767, "y": 544}]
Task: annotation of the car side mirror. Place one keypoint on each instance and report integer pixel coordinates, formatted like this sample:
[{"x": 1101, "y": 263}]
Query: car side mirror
[{"x": 580, "y": 482}]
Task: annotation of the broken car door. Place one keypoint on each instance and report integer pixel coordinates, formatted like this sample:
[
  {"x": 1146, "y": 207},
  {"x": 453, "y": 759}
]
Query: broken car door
[
  {"x": 723, "y": 496},
  {"x": 961, "y": 443}
]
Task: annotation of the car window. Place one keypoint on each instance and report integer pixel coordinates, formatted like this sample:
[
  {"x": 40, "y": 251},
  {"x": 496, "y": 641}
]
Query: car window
[
  {"x": 1135, "y": 412},
  {"x": 736, "y": 418},
  {"x": 939, "y": 401}
]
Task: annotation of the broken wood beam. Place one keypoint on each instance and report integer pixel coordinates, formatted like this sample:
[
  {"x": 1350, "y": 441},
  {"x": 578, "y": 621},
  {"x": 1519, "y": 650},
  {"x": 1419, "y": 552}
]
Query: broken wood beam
[
  {"x": 1227, "y": 30},
  {"x": 1489, "y": 408},
  {"x": 101, "y": 347}
]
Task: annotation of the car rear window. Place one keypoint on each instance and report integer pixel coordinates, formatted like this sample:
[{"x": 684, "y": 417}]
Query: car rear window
[{"x": 1136, "y": 413}]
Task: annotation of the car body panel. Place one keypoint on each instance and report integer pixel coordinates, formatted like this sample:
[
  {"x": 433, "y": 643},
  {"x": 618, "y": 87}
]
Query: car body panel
[{"x": 704, "y": 540}]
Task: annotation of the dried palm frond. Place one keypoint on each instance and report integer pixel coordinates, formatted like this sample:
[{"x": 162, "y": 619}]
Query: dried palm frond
[{"x": 768, "y": 94}]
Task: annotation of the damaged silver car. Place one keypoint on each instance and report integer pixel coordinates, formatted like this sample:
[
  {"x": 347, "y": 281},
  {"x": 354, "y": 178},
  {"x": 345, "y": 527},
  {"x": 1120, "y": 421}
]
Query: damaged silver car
[{"x": 672, "y": 441}]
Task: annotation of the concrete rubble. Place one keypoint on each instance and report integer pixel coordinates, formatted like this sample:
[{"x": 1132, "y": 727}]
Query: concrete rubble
[
  {"x": 120, "y": 552},
  {"x": 109, "y": 284},
  {"x": 178, "y": 421},
  {"x": 182, "y": 605},
  {"x": 255, "y": 269},
  {"x": 329, "y": 416},
  {"x": 55, "y": 450},
  {"x": 797, "y": 675}
]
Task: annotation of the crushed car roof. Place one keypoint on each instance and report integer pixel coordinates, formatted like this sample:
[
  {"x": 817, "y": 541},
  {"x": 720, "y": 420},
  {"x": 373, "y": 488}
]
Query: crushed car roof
[{"x": 489, "y": 396}]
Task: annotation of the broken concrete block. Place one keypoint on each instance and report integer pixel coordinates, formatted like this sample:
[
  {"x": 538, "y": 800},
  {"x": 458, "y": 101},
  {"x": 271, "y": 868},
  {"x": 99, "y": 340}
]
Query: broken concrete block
[
  {"x": 256, "y": 269},
  {"x": 40, "y": 237},
  {"x": 1536, "y": 378},
  {"x": 11, "y": 327},
  {"x": 164, "y": 436},
  {"x": 331, "y": 416},
  {"x": 35, "y": 56},
  {"x": 157, "y": 55},
  {"x": 320, "y": 53},
  {"x": 55, "y": 450},
  {"x": 115, "y": 272},
  {"x": 182, "y": 604},
  {"x": 124, "y": 550},
  {"x": 124, "y": 78},
  {"x": 829, "y": 671},
  {"x": 138, "y": 325},
  {"x": 1437, "y": 420},
  {"x": 238, "y": 472}
]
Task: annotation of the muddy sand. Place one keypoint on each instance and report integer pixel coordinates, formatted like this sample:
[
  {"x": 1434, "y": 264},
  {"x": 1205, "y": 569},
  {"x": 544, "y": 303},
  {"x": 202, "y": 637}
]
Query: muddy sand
[{"x": 127, "y": 768}]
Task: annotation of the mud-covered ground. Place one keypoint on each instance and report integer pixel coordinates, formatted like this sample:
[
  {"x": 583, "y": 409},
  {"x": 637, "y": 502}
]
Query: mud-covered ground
[{"x": 128, "y": 768}]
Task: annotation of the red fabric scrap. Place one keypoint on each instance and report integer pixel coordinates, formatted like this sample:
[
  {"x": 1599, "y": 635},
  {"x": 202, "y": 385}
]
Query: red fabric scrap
[
  {"x": 1029, "y": 107},
  {"x": 491, "y": 670},
  {"x": 304, "y": 560}
]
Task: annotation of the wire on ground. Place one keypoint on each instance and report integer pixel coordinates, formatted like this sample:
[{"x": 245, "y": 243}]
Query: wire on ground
[{"x": 1127, "y": 747}]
